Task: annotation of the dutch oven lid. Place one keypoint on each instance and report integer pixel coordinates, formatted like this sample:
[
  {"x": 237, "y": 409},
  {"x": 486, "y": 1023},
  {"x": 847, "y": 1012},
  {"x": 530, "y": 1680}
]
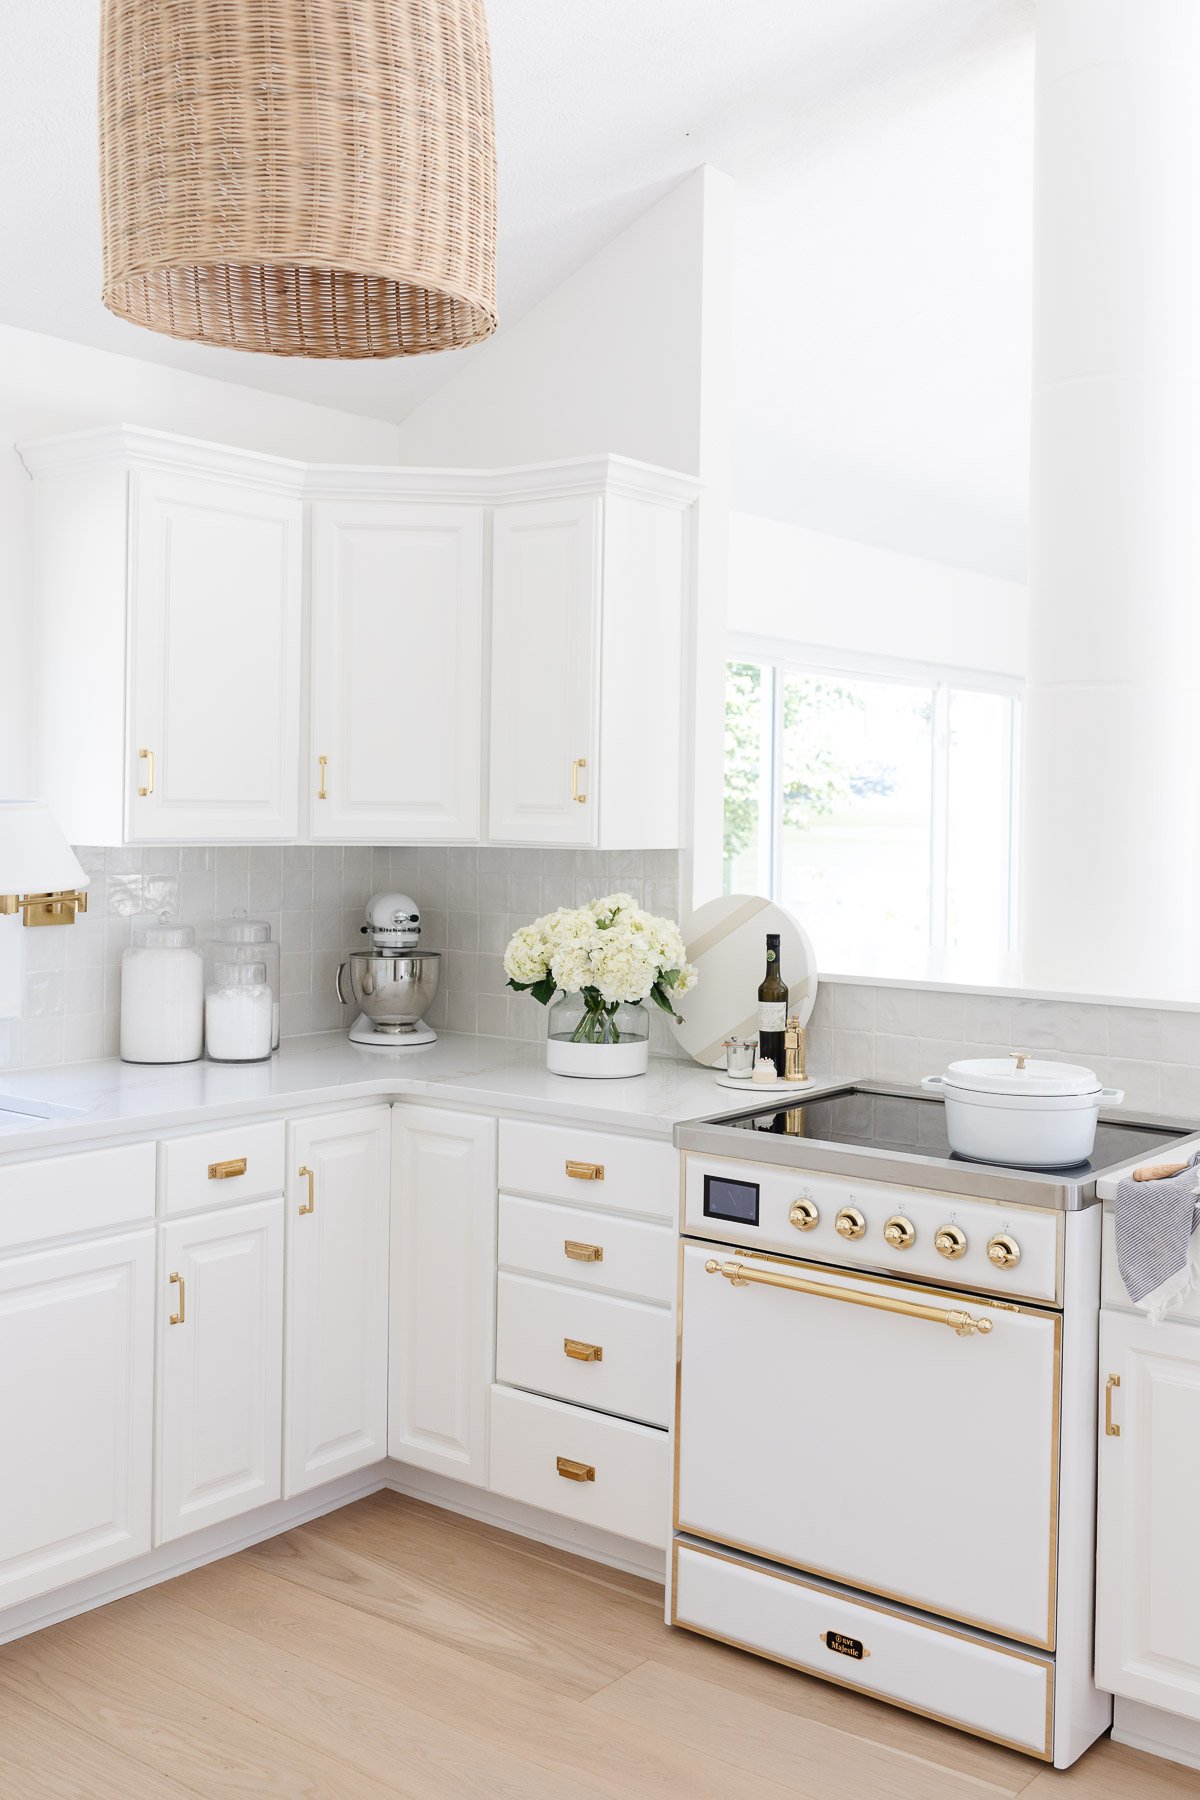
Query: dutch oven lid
[{"x": 1021, "y": 1074}]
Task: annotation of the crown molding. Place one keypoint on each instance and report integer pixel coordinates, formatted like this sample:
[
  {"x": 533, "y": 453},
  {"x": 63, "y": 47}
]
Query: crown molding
[{"x": 135, "y": 447}]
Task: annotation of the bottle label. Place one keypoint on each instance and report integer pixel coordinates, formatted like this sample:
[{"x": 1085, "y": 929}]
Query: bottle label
[{"x": 772, "y": 1015}]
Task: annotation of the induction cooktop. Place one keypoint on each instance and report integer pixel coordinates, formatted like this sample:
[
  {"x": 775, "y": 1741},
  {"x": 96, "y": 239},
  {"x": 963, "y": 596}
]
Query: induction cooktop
[{"x": 865, "y": 1118}]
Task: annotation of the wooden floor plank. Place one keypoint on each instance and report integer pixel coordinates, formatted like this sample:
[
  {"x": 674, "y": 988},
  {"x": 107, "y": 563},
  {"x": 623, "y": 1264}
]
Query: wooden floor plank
[
  {"x": 1115, "y": 1772},
  {"x": 41, "y": 1758},
  {"x": 807, "y": 1757}
]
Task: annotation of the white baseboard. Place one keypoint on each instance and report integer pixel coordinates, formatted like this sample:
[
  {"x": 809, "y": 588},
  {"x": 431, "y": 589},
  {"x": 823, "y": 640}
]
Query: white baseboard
[
  {"x": 1158, "y": 1733},
  {"x": 268, "y": 1521}
]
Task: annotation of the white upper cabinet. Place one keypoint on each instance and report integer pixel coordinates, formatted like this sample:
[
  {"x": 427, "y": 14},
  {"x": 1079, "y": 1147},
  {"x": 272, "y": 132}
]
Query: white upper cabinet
[
  {"x": 397, "y": 659},
  {"x": 214, "y": 676},
  {"x": 588, "y": 658},
  {"x": 182, "y": 695}
]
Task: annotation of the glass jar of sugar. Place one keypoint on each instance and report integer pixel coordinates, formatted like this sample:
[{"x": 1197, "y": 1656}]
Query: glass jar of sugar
[
  {"x": 238, "y": 1012},
  {"x": 162, "y": 992},
  {"x": 242, "y": 939}
]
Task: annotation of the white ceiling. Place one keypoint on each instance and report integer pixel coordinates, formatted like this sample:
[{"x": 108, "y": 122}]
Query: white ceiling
[{"x": 881, "y": 150}]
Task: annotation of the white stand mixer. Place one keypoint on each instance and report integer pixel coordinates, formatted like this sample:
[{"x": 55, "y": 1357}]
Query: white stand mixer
[{"x": 394, "y": 984}]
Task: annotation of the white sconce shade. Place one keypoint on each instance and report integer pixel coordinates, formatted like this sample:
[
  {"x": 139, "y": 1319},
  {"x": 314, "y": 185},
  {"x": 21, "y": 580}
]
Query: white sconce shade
[{"x": 37, "y": 863}]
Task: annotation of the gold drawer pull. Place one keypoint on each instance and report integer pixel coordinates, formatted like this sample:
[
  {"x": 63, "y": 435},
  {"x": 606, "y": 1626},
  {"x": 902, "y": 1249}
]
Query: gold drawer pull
[
  {"x": 574, "y": 1471},
  {"x": 583, "y": 1252},
  {"x": 1110, "y": 1430},
  {"x": 147, "y": 756},
  {"x": 579, "y": 1352},
  {"x": 225, "y": 1171},
  {"x": 738, "y": 1275},
  {"x": 311, "y": 1202},
  {"x": 177, "y": 1280},
  {"x": 580, "y": 1171}
]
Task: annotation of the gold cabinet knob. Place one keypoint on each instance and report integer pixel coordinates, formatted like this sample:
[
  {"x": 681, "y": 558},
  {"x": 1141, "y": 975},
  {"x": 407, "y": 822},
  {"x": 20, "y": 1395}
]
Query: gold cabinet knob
[
  {"x": 1004, "y": 1251},
  {"x": 850, "y": 1223},
  {"x": 950, "y": 1241},
  {"x": 803, "y": 1213},
  {"x": 900, "y": 1232}
]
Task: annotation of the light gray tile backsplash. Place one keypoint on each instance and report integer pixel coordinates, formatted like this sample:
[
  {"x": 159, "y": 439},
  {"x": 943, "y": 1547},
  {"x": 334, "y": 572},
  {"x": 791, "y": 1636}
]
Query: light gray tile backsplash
[
  {"x": 1153, "y": 1055},
  {"x": 471, "y": 901}
]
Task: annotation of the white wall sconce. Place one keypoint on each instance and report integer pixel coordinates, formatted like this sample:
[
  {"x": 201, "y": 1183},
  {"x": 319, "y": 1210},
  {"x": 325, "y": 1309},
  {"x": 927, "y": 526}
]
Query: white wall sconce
[{"x": 40, "y": 875}]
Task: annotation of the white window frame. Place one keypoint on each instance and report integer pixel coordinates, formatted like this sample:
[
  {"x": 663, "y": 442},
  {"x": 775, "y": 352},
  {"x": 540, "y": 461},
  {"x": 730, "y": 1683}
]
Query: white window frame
[{"x": 783, "y": 657}]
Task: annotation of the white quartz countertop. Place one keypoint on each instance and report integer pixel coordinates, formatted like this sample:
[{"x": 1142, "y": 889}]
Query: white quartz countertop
[{"x": 115, "y": 1099}]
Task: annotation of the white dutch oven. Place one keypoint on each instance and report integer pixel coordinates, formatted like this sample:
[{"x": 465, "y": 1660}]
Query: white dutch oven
[{"x": 1037, "y": 1115}]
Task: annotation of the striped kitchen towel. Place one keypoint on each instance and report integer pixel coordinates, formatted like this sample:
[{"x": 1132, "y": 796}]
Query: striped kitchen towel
[{"x": 1156, "y": 1221}]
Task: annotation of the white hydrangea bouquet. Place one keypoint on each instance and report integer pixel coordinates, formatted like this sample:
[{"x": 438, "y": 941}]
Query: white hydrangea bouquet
[{"x": 610, "y": 953}]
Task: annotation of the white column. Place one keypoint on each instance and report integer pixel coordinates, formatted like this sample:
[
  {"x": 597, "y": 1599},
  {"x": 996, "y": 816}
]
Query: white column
[{"x": 1111, "y": 801}]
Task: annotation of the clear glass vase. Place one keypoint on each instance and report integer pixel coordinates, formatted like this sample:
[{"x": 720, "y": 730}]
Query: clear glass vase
[{"x": 597, "y": 1041}]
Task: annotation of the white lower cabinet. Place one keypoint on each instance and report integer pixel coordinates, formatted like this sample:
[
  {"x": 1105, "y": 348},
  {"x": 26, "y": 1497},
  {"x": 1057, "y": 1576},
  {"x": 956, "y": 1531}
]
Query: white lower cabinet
[
  {"x": 335, "y": 1382},
  {"x": 1148, "y": 1558},
  {"x": 604, "y": 1472},
  {"x": 220, "y": 1381},
  {"x": 76, "y": 1405},
  {"x": 443, "y": 1274}
]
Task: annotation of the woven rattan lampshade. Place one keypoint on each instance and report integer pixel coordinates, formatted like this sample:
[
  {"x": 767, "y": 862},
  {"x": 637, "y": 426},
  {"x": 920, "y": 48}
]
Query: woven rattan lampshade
[{"x": 302, "y": 177}]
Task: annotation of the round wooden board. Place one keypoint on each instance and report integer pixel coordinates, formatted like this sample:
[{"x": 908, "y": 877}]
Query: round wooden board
[{"x": 726, "y": 939}]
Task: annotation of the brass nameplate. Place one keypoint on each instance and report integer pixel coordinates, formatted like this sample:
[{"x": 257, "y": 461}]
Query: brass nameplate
[{"x": 844, "y": 1646}]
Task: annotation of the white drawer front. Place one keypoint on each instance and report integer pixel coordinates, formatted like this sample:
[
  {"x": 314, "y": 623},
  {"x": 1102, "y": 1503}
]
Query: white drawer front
[
  {"x": 223, "y": 1168},
  {"x": 952, "y": 1676},
  {"x": 542, "y": 1452},
  {"x": 590, "y": 1168},
  {"x": 57, "y": 1196},
  {"x": 633, "y": 1375},
  {"x": 603, "y": 1253}
]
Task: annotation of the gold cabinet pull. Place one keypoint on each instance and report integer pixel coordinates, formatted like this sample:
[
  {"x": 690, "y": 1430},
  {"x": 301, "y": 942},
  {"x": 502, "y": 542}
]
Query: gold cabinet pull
[
  {"x": 738, "y": 1275},
  {"x": 311, "y": 1202},
  {"x": 579, "y": 764},
  {"x": 583, "y": 1252},
  {"x": 581, "y": 1352},
  {"x": 148, "y": 757},
  {"x": 322, "y": 764},
  {"x": 225, "y": 1171},
  {"x": 581, "y": 1171},
  {"x": 1110, "y": 1430},
  {"x": 574, "y": 1471},
  {"x": 178, "y": 1318}
]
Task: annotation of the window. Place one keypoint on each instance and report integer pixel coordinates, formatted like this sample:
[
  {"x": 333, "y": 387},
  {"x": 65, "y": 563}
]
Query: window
[{"x": 877, "y": 804}]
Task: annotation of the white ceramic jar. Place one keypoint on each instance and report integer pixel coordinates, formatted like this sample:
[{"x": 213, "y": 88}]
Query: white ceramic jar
[
  {"x": 242, "y": 939},
  {"x": 1019, "y": 1111},
  {"x": 238, "y": 1013},
  {"x": 162, "y": 993}
]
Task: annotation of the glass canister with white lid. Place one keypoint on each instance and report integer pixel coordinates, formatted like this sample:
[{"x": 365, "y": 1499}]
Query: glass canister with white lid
[
  {"x": 238, "y": 1010},
  {"x": 242, "y": 939},
  {"x": 162, "y": 992}
]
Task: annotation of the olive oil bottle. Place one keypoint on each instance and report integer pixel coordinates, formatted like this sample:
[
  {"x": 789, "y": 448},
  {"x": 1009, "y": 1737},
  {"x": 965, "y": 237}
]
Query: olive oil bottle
[{"x": 772, "y": 1009}]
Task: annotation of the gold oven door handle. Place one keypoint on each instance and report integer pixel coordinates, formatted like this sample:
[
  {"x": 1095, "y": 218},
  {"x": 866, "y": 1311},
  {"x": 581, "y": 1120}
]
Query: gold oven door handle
[
  {"x": 1110, "y": 1430},
  {"x": 147, "y": 756},
  {"x": 738, "y": 1275},
  {"x": 310, "y": 1203}
]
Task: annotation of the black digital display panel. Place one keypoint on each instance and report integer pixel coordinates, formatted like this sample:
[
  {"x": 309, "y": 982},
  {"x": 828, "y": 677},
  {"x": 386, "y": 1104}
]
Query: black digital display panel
[{"x": 736, "y": 1201}]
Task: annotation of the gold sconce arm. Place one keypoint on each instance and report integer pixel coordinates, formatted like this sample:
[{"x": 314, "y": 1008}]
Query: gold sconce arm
[{"x": 45, "y": 909}]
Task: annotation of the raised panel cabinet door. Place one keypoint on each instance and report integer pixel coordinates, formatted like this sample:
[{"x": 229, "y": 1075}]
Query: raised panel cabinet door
[
  {"x": 336, "y": 1312},
  {"x": 220, "y": 1383},
  {"x": 443, "y": 1284},
  {"x": 397, "y": 659},
  {"x": 545, "y": 620},
  {"x": 214, "y": 705},
  {"x": 1148, "y": 1555},
  {"x": 76, "y": 1411}
]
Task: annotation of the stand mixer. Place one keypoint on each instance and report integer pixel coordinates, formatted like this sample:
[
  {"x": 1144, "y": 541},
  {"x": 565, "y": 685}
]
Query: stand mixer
[{"x": 395, "y": 983}]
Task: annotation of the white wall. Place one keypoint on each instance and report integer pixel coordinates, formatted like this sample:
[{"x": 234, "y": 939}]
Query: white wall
[
  {"x": 787, "y": 582},
  {"x": 607, "y": 362},
  {"x": 48, "y": 385}
]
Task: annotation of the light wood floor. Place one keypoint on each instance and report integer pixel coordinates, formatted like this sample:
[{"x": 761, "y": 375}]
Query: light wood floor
[{"x": 391, "y": 1649}]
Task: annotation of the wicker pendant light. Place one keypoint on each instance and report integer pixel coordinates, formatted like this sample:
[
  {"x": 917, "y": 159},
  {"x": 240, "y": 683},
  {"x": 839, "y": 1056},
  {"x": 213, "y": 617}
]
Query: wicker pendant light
[{"x": 301, "y": 177}]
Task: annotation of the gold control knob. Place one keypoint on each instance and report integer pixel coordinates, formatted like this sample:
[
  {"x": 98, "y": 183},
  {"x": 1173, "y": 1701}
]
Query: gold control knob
[
  {"x": 1004, "y": 1251},
  {"x": 803, "y": 1213},
  {"x": 850, "y": 1223},
  {"x": 900, "y": 1232},
  {"x": 951, "y": 1241}
]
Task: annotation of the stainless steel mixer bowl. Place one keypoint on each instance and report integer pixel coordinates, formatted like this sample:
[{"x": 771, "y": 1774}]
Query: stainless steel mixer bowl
[{"x": 393, "y": 991}]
